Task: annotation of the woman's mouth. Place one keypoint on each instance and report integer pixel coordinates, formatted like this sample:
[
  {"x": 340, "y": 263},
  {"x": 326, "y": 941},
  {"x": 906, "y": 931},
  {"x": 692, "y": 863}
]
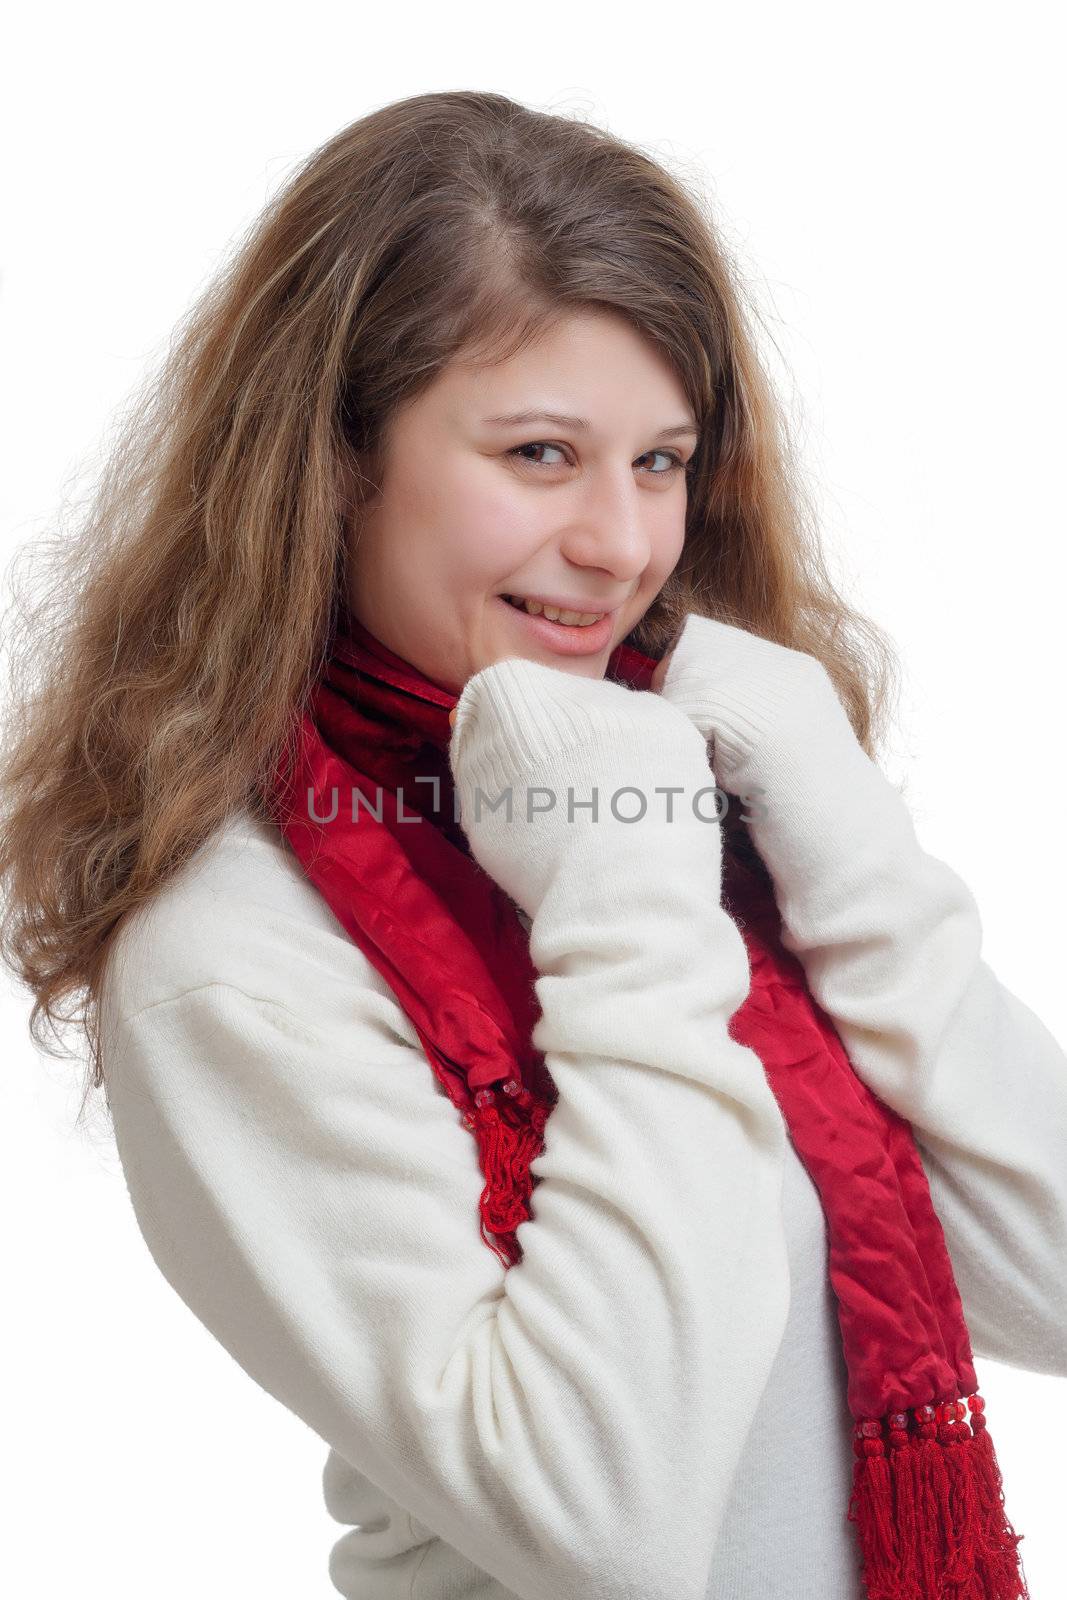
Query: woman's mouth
[{"x": 565, "y": 638}]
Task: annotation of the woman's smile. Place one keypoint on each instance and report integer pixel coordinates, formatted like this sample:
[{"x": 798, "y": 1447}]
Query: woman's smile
[{"x": 565, "y": 639}]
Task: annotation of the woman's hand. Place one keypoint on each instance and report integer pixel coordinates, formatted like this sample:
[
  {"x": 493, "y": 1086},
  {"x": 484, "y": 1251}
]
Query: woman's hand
[
  {"x": 538, "y": 756},
  {"x": 752, "y": 699}
]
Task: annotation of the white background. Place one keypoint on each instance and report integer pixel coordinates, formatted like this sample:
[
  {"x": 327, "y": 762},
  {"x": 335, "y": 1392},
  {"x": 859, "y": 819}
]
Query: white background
[{"x": 889, "y": 178}]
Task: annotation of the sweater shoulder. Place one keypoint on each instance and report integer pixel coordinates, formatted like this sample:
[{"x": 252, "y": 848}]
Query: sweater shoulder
[{"x": 242, "y": 914}]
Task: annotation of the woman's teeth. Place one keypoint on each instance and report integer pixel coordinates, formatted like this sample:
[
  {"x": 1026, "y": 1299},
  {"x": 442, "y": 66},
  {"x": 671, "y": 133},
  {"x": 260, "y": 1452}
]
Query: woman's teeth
[{"x": 570, "y": 619}]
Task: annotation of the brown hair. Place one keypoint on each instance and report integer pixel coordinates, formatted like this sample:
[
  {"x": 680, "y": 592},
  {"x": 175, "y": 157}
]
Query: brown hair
[{"x": 156, "y": 677}]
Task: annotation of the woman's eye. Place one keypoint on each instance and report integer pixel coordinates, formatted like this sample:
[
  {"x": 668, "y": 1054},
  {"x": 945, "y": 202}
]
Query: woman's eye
[
  {"x": 519, "y": 448},
  {"x": 675, "y": 462}
]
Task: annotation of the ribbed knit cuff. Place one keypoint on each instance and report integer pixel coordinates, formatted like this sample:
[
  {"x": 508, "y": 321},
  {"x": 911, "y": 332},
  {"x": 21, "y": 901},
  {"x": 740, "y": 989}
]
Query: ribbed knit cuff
[
  {"x": 739, "y": 689},
  {"x": 516, "y": 716},
  {"x": 559, "y": 775}
]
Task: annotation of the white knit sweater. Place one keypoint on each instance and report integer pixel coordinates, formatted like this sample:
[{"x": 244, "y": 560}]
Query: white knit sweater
[{"x": 650, "y": 1405}]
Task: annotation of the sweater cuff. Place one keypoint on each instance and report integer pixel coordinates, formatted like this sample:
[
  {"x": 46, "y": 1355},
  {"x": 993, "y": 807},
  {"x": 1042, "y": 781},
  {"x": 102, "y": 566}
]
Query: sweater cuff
[
  {"x": 514, "y": 717},
  {"x": 737, "y": 687}
]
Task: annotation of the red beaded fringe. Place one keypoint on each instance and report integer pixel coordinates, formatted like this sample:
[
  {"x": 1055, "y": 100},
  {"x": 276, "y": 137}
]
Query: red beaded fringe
[
  {"x": 510, "y": 1133},
  {"x": 930, "y": 1508}
]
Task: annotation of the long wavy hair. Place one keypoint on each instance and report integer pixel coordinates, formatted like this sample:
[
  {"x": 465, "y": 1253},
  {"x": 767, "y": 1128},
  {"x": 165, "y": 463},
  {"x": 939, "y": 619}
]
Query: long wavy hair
[{"x": 176, "y": 632}]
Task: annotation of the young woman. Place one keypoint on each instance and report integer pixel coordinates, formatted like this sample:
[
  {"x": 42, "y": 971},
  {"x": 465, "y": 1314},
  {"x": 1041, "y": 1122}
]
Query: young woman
[{"x": 538, "y": 1047}]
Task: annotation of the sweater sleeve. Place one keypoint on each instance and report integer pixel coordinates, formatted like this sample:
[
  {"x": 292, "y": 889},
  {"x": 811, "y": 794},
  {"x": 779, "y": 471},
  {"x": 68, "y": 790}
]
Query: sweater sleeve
[
  {"x": 890, "y": 939},
  {"x": 572, "y": 1424}
]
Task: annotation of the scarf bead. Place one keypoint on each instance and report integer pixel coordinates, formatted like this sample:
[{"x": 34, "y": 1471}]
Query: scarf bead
[
  {"x": 487, "y": 1097},
  {"x": 867, "y": 1437},
  {"x": 898, "y": 1429}
]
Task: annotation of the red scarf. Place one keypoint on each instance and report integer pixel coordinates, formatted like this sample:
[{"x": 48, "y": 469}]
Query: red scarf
[{"x": 927, "y": 1496}]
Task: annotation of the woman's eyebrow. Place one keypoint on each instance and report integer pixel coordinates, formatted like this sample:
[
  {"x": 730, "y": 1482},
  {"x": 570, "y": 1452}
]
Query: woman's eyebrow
[{"x": 562, "y": 421}]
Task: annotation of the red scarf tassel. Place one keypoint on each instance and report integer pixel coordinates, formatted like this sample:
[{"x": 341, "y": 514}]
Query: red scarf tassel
[
  {"x": 929, "y": 1504},
  {"x": 510, "y": 1134}
]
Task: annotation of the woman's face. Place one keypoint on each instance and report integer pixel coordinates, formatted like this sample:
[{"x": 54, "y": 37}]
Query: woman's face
[{"x": 589, "y": 513}]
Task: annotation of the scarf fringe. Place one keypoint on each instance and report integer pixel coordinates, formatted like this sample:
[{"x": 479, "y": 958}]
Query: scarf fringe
[
  {"x": 509, "y": 1134},
  {"x": 929, "y": 1506},
  {"x": 927, "y": 1499}
]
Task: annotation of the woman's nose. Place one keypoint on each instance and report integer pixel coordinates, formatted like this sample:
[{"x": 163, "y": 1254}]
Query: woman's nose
[{"x": 614, "y": 539}]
